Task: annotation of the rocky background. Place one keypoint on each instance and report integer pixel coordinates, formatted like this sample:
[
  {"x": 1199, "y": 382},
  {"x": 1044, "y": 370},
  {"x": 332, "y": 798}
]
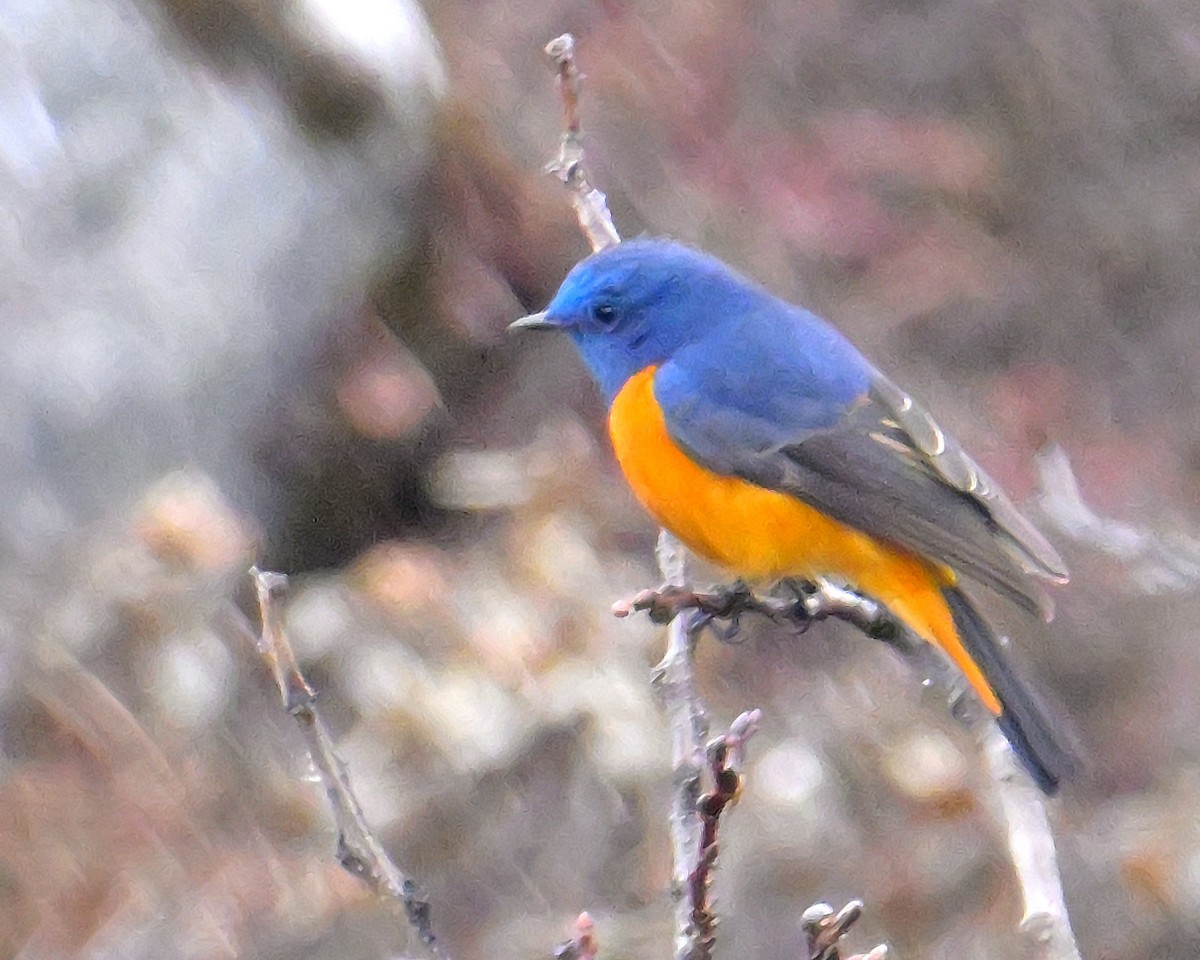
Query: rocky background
[{"x": 255, "y": 265}]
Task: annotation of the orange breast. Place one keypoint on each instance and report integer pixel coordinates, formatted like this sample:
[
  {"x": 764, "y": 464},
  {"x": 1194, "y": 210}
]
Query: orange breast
[{"x": 766, "y": 534}]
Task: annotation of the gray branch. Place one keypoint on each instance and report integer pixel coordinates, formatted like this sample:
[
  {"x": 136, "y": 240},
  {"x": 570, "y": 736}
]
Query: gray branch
[
  {"x": 359, "y": 852},
  {"x": 1019, "y": 803}
]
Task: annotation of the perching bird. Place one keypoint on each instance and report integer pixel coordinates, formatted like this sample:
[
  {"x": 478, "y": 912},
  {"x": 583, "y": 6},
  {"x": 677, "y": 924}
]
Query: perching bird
[{"x": 767, "y": 443}]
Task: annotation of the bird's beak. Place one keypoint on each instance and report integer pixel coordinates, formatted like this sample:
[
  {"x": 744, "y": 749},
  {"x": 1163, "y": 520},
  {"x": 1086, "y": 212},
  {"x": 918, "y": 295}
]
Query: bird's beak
[{"x": 535, "y": 321}]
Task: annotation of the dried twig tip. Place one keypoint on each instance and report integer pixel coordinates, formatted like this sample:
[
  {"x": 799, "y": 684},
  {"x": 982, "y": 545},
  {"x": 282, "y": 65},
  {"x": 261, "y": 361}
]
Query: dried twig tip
[
  {"x": 824, "y": 930},
  {"x": 583, "y": 944},
  {"x": 744, "y": 727},
  {"x": 561, "y": 49},
  {"x": 268, "y": 583}
]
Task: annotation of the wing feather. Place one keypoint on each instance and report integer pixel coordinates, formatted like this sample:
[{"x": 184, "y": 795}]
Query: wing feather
[{"x": 1032, "y": 550}]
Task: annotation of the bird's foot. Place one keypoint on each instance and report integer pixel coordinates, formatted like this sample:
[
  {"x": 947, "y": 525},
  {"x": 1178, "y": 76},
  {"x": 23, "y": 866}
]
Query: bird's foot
[{"x": 720, "y": 608}]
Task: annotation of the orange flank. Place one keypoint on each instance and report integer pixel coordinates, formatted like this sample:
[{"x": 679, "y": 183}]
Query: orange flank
[{"x": 763, "y": 534}]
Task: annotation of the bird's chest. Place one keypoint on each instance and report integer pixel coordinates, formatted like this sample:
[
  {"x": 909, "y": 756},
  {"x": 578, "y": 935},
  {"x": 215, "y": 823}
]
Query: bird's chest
[{"x": 752, "y": 531}]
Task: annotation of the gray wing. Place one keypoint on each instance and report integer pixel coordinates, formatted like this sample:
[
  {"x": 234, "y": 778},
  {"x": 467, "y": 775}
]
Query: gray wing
[
  {"x": 1020, "y": 538},
  {"x": 886, "y": 468}
]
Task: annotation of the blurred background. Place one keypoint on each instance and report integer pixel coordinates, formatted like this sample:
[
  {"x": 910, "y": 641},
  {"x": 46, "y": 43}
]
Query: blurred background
[{"x": 256, "y": 260}]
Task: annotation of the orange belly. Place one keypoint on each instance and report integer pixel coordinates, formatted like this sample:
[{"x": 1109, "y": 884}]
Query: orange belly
[{"x": 765, "y": 534}]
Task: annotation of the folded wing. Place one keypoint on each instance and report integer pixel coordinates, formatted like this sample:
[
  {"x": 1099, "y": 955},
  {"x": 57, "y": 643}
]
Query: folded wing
[{"x": 871, "y": 458}]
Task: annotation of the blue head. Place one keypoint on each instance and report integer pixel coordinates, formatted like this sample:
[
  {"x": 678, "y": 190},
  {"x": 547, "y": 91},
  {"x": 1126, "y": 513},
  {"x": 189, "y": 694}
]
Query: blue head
[{"x": 634, "y": 305}]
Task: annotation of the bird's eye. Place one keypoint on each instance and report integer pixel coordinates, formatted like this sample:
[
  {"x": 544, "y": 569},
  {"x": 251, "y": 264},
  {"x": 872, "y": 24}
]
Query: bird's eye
[{"x": 604, "y": 314}]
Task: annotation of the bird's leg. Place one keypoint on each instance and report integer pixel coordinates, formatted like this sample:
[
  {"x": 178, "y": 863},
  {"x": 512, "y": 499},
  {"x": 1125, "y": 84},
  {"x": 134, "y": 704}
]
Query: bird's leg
[
  {"x": 725, "y": 630},
  {"x": 724, "y": 605},
  {"x": 796, "y": 608}
]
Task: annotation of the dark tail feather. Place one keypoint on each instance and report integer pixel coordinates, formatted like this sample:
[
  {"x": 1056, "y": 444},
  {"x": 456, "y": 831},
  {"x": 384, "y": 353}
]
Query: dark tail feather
[{"x": 1024, "y": 721}]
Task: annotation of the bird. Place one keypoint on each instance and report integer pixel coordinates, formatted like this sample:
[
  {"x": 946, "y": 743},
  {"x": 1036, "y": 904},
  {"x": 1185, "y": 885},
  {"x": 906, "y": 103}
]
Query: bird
[{"x": 768, "y": 444}]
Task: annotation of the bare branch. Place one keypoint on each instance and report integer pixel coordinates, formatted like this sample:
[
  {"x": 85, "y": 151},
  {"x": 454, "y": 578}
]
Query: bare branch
[
  {"x": 689, "y": 725},
  {"x": 359, "y": 852},
  {"x": 591, "y": 206},
  {"x": 1020, "y": 804},
  {"x": 1045, "y": 923},
  {"x": 697, "y": 806},
  {"x": 808, "y": 603}
]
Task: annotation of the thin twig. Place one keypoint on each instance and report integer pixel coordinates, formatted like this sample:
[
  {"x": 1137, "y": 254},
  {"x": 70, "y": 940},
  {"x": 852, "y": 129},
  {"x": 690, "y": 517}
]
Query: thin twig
[
  {"x": 725, "y": 755},
  {"x": 591, "y": 206},
  {"x": 359, "y": 852}
]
